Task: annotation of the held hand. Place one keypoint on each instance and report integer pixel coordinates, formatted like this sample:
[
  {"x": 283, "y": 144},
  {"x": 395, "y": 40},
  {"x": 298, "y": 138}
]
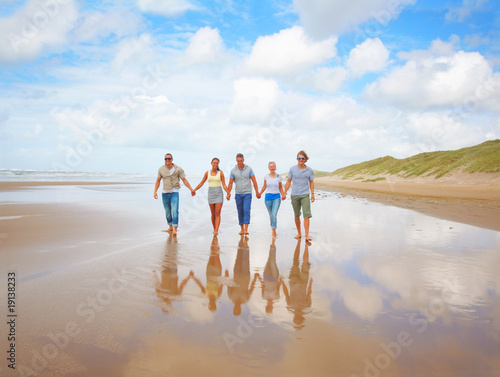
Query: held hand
[
  {"x": 312, "y": 198},
  {"x": 283, "y": 197},
  {"x": 258, "y": 196},
  {"x": 193, "y": 193},
  {"x": 155, "y": 195},
  {"x": 228, "y": 196}
]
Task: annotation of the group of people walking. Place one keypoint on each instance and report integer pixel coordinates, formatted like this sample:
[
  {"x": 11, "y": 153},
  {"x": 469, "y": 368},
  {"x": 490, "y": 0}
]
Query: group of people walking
[{"x": 300, "y": 178}]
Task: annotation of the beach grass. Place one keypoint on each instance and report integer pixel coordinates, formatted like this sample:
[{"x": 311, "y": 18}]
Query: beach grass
[{"x": 484, "y": 158}]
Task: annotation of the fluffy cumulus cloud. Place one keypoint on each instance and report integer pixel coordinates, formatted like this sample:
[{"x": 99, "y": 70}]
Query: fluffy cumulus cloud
[
  {"x": 168, "y": 8},
  {"x": 205, "y": 46},
  {"x": 322, "y": 18},
  {"x": 369, "y": 56},
  {"x": 427, "y": 80},
  {"x": 288, "y": 52},
  {"x": 36, "y": 27},
  {"x": 254, "y": 100}
]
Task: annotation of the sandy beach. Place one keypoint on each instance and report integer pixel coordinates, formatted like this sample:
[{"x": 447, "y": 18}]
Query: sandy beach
[
  {"x": 382, "y": 289},
  {"x": 468, "y": 198}
]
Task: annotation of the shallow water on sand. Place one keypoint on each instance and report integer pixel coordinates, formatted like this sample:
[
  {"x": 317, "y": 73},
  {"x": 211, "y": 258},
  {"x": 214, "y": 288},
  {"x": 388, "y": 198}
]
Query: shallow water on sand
[{"x": 380, "y": 291}]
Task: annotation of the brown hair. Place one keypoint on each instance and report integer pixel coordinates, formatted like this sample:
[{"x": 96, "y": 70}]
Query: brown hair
[
  {"x": 303, "y": 154},
  {"x": 240, "y": 155},
  {"x": 215, "y": 158}
]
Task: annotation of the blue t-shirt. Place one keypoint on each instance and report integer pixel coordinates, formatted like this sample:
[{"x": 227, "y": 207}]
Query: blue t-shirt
[{"x": 300, "y": 179}]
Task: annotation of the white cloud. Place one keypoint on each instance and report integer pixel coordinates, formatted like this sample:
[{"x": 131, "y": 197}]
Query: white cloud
[
  {"x": 205, "y": 46},
  {"x": 36, "y": 27},
  {"x": 134, "y": 52},
  {"x": 325, "y": 17},
  {"x": 94, "y": 25},
  {"x": 254, "y": 100},
  {"x": 460, "y": 14},
  {"x": 288, "y": 52},
  {"x": 326, "y": 79},
  {"x": 168, "y": 8},
  {"x": 369, "y": 56},
  {"x": 426, "y": 80}
]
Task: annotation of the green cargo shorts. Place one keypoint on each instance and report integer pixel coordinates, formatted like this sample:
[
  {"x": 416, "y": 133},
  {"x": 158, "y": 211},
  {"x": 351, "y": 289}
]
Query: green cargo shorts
[{"x": 303, "y": 201}]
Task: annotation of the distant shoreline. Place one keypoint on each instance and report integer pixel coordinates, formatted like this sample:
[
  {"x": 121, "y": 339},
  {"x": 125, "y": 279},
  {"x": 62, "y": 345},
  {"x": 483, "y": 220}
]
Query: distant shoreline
[{"x": 453, "y": 199}]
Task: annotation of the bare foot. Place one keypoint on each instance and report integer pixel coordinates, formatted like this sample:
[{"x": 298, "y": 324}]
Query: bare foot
[
  {"x": 298, "y": 236},
  {"x": 246, "y": 233},
  {"x": 169, "y": 229},
  {"x": 274, "y": 233},
  {"x": 241, "y": 233},
  {"x": 216, "y": 233},
  {"x": 308, "y": 239},
  {"x": 174, "y": 233}
]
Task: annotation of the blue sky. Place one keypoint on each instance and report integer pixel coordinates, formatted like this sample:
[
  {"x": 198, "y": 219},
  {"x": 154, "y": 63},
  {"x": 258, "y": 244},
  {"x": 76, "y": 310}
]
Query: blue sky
[{"x": 113, "y": 86}]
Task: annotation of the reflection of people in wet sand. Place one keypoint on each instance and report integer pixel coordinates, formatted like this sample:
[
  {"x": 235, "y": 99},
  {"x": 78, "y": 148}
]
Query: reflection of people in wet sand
[
  {"x": 241, "y": 293},
  {"x": 299, "y": 297},
  {"x": 272, "y": 280},
  {"x": 168, "y": 288},
  {"x": 214, "y": 271}
]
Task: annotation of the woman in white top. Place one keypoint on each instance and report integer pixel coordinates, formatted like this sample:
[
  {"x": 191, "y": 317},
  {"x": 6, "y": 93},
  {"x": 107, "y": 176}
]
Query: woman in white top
[
  {"x": 215, "y": 197},
  {"x": 274, "y": 194}
]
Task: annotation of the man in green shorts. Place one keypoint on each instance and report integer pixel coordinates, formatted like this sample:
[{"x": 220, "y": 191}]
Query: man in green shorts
[{"x": 302, "y": 177}]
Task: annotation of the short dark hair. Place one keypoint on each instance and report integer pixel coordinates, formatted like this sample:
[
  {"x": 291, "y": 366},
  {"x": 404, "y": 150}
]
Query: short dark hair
[
  {"x": 240, "y": 155},
  {"x": 303, "y": 154},
  {"x": 169, "y": 154}
]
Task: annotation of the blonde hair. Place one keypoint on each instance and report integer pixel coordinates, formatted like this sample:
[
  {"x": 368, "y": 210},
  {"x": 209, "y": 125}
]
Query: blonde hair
[{"x": 271, "y": 162}]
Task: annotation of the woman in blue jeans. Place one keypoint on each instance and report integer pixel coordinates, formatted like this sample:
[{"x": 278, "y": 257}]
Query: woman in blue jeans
[{"x": 274, "y": 194}]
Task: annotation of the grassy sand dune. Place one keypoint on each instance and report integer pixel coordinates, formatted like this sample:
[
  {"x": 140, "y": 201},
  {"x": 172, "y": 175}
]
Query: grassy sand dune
[{"x": 482, "y": 158}]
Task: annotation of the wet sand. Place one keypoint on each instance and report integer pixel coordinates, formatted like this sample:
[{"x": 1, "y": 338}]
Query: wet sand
[
  {"x": 382, "y": 290},
  {"x": 461, "y": 200}
]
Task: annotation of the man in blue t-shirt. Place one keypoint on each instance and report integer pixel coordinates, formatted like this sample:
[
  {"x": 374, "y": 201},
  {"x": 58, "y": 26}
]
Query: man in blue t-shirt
[
  {"x": 302, "y": 177},
  {"x": 243, "y": 177}
]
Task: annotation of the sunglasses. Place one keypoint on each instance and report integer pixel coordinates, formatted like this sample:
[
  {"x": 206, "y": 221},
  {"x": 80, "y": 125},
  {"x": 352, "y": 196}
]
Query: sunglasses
[
  {"x": 301, "y": 158},
  {"x": 168, "y": 158}
]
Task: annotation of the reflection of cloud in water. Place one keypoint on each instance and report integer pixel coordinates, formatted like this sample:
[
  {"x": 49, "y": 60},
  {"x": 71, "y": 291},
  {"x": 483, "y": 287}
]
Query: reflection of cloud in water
[
  {"x": 362, "y": 300},
  {"x": 460, "y": 280}
]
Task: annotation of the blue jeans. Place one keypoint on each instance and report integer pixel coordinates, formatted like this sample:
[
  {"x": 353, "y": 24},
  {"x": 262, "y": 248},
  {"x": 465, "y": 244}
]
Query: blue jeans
[
  {"x": 243, "y": 205},
  {"x": 272, "y": 207},
  {"x": 171, "y": 205}
]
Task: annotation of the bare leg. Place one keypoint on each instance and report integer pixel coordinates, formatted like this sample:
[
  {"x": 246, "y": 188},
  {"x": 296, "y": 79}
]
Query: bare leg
[
  {"x": 274, "y": 234},
  {"x": 216, "y": 221},
  {"x": 242, "y": 232},
  {"x": 306, "y": 227},
  {"x": 246, "y": 228},
  {"x": 212, "y": 214},
  {"x": 297, "y": 224}
]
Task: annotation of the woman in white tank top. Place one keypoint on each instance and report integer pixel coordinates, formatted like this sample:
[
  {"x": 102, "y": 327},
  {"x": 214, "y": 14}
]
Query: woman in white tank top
[{"x": 215, "y": 179}]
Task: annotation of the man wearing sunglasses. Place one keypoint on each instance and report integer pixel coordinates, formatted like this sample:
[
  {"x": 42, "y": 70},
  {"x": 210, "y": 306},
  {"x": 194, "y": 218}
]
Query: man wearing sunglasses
[
  {"x": 171, "y": 175},
  {"x": 302, "y": 177}
]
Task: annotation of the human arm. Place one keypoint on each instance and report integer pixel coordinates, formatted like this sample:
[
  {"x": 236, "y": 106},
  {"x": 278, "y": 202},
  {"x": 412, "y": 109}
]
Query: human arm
[
  {"x": 254, "y": 181},
  {"x": 283, "y": 196},
  {"x": 252, "y": 286},
  {"x": 186, "y": 183},
  {"x": 311, "y": 186},
  {"x": 223, "y": 182},
  {"x": 264, "y": 186},
  {"x": 184, "y": 282},
  {"x": 287, "y": 186},
  {"x": 157, "y": 186},
  {"x": 203, "y": 180},
  {"x": 197, "y": 281},
  {"x": 229, "y": 187}
]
